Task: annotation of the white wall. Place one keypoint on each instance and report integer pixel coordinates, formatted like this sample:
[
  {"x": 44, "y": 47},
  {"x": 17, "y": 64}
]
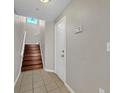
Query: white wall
[
  {"x": 18, "y": 42},
  {"x": 34, "y": 34},
  {"x": 88, "y": 64},
  {"x": 49, "y": 46}
]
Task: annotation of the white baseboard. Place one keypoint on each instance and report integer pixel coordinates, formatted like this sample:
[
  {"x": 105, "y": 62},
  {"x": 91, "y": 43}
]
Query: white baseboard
[
  {"x": 22, "y": 53},
  {"x": 23, "y": 44},
  {"x": 17, "y": 78},
  {"x": 19, "y": 72},
  {"x": 42, "y": 55},
  {"x": 69, "y": 88},
  {"x": 49, "y": 70}
]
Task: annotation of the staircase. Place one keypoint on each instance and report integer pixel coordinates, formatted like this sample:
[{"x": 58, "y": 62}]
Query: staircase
[{"x": 32, "y": 57}]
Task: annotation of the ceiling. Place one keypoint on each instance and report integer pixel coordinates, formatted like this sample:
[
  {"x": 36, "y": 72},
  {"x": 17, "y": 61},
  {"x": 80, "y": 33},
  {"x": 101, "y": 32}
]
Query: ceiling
[{"x": 35, "y": 8}]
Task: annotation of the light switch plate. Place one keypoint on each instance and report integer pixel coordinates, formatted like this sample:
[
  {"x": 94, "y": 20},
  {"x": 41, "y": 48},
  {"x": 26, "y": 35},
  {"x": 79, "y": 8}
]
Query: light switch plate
[
  {"x": 101, "y": 90},
  {"x": 78, "y": 29}
]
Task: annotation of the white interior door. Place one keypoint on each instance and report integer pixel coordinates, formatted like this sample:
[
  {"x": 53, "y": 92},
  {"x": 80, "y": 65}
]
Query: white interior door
[{"x": 60, "y": 48}]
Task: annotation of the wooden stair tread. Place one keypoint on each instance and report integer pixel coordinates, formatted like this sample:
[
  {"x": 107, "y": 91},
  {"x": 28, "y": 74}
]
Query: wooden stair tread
[
  {"x": 33, "y": 54},
  {"x": 32, "y": 57},
  {"x": 32, "y": 47},
  {"x": 31, "y": 67},
  {"x": 26, "y": 52},
  {"x": 31, "y": 44},
  {"x": 28, "y": 63}
]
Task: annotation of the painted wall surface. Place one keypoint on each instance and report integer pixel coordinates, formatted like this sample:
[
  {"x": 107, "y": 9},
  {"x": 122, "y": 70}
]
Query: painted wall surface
[
  {"x": 88, "y": 62},
  {"x": 34, "y": 34},
  {"x": 18, "y": 41},
  {"x": 49, "y": 46}
]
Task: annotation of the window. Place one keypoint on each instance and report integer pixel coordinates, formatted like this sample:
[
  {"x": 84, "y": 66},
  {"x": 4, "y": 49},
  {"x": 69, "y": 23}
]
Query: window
[{"x": 31, "y": 20}]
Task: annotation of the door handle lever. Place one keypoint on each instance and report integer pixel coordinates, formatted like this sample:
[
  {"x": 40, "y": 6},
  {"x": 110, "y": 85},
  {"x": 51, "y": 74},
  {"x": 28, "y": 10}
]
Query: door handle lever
[{"x": 62, "y": 55}]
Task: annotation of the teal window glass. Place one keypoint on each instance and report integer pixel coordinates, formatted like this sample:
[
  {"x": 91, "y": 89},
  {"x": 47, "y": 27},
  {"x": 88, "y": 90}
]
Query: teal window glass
[{"x": 31, "y": 20}]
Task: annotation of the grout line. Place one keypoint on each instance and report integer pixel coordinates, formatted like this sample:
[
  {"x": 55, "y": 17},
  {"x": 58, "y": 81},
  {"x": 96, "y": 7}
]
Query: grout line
[
  {"x": 32, "y": 82},
  {"x": 55, "y": 82},
  {"x": 43, "y": 81},
  {"x": 44, "y": 84},
  {"x": 59, "y": 87}
]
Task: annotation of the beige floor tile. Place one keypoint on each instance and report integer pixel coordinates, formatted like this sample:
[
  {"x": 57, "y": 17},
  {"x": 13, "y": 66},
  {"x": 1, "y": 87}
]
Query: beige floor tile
[
  {"x": 51, "y": 86},
  {"x": 18, "y": 84},
  {"x": 48, "y": 81},
  {"x": 37, "y": 72},
  {"x": 36, "y": 75},
  {"x": 64, "y": 90},
  {"x": 37, "y": 78},
  {"x": 25, "y": 82},
  {"x": 27, "y": 79},
  {"x": 19, "y": 79},
  {"x": 45, "y": 74},
  {"x": 42, "y": 71},
  {"x": 25, "y": 88},
  {"x": 38, "y": 84},
  {"x": 27, "y": 76},
  {"x": 17, "y": 88},
  {"x": 27, "y": 73},
  {"x": 40, "y": 90},
  {"x": 29, "y": 91},
  {"x": 39, "y": 81},
  {"x": 59, "y": 83},
  {"x": 54, "y": 76},
  {"x": 55, "y": 91},
  {"x": 46, "y": 78}
]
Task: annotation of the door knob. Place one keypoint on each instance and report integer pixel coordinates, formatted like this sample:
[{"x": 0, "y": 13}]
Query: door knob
[
  {"x": 63, "y": 51},
  {"x": 62, "y": 55}
]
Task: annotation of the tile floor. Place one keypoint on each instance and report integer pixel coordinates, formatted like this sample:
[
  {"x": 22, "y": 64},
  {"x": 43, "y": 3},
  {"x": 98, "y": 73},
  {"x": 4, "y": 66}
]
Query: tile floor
[{"x": 39, "y": 81}]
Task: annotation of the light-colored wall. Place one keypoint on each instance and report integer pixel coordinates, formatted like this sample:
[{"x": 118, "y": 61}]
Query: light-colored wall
[
  {"x": 49, "y": 46},
  {"x": 42, "y": 43},
  {"x": 18, "y": 42},
  {"x": 34, "y": 34},
  {"x": 88, "y": 64}
]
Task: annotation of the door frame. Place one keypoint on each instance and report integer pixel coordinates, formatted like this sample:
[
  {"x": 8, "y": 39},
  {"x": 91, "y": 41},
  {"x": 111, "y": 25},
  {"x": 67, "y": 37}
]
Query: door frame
[{"x": 59, "y": 21}]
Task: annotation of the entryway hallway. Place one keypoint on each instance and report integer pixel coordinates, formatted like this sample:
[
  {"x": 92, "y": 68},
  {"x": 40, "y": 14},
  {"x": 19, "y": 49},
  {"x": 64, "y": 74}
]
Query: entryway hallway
[
  {"x": 39, "y": 81},
  {"x": 74, "y": 43}
]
